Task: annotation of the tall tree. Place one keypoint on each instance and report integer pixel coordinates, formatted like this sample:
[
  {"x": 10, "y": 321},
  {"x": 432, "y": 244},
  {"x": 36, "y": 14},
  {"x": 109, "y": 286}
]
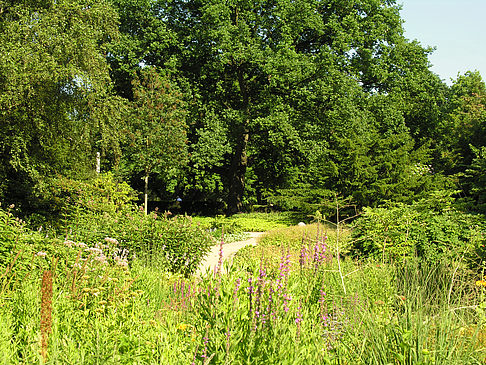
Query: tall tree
[
  {"x": 463, "y": 125},
  {"x": 156, "y": 132},
  {"x": 285, "y": 73},
  {"x": 55, "y": 100},
  {"x": 286, "y": 84}
]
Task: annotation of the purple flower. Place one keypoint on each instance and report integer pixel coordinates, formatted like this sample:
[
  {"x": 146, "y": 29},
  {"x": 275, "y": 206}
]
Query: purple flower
[
  {"x": 251, "y": 289},
  {"x": 237, "y": 287},
  {"x": 298, "y": 320}
]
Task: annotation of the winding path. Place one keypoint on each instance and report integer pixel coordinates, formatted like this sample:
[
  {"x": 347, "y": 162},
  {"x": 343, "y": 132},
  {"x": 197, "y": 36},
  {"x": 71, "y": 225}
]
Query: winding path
[{"x": 210, "y": 261}]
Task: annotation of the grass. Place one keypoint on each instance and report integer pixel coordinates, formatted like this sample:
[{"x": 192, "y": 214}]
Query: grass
[
  {"x": 250, "y": 222},
  {"x": 289, "y": 300}
]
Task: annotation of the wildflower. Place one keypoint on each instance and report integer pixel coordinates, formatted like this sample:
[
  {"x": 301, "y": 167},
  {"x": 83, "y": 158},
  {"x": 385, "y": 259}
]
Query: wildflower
[
  {"x": 303, "y": 255},
  {"x": 41, "y": 254},
  {"x": 298, "y": 320},
  {"x": 220, "y": 260},
  {"x": 481, "y": 283},
  {"x": 102, "y": 259},
  {"x": 237, "y": 286},
  {"x": 81, "y": 245},
  {"x": 69, "y": 243},
  {"x": 122, "y": 263},
  {"x": 286, "y": 299},
  {"x": 111, "y": 240},
  {"x": 94, "y": 250},
  {"x": 182, "y": 327},
  {"x": 322, "y": 296},
  {"x": 250, "y": 287},
  {"x": 122, "y": 254},
  {"x": 205, "y": 351}
]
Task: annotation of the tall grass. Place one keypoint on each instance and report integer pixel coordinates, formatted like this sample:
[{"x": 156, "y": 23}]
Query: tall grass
[{"x": 282, "y": 302}]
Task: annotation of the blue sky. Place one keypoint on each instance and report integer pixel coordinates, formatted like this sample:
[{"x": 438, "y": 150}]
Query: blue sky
[{"x": 455, "y": 27}]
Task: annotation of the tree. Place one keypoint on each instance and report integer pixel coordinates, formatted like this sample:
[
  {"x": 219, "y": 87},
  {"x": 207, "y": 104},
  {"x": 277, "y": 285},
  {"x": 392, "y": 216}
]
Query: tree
[
  {"x": 144, "y": 39},
  {"x": 157, "y": 129},
  {"x": 56, "y": 106},
  {"x": 287, "y": 86},
  {"x": 464, "y": 123},
  {"x": 474, "y": 180}
]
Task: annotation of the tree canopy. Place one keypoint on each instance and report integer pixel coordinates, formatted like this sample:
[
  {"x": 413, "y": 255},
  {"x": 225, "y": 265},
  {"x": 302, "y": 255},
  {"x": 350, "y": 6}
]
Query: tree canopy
[
  {"x": 232, "y": 104},
  {"x": 56, "y": 105}
]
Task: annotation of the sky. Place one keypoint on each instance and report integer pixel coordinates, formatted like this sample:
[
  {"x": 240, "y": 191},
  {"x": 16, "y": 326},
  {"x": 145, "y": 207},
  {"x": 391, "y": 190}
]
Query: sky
[{"x": 457, "y": 28}]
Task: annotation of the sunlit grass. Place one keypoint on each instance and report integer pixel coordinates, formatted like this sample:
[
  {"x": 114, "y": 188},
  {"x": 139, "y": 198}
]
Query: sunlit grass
[{"x": 287, "y": 300}]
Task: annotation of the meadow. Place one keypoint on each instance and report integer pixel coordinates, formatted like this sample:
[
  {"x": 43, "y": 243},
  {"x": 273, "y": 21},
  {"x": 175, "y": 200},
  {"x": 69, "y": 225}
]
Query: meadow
[
  {"x": 299, "y": 297},
  {"x": 314, "y": 111}
]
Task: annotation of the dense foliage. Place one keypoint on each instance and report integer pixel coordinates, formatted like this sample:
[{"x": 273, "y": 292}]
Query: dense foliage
[
  {"x": 431, "y": 229},
  {"x": 232, "y": 105},
  {"x": 89, "y": 213},
  {"x": 321, "y": 108},
  {"x": 56, "y": 104}
]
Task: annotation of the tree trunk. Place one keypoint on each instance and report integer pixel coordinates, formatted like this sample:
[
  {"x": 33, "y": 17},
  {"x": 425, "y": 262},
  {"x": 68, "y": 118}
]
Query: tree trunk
[
  {"x": 146, "y": 179},
  {"x": 237, "y": 173},
  {"x": 240, "y": 158}
]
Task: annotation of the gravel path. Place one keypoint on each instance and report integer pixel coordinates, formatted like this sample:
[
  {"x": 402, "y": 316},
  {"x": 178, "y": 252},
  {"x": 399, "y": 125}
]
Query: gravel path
[{"x": 229, "y": 251}]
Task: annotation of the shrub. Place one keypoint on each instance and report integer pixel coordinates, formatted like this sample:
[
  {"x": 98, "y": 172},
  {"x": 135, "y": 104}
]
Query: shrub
[
  {"x": 175, "y": 243},
  {"x": 430, "y": 228},
  {"x": 10, "y": 232},
  {"x": 182, "y": 243},
  {"x": 64, "y": 198}
]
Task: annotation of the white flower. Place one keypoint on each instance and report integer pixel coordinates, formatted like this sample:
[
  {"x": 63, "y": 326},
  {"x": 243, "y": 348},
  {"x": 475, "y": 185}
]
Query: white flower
[
  {"x": 41, "y": 254},
  {"x": 101, "y": 258},
  {"x": 69, "y": 243},
  {"x": 94, "y": 250},
  {"x": 122, "y": 263},
  {"x": 111, "y": 240},
  {"x": 81, "y": 244}
]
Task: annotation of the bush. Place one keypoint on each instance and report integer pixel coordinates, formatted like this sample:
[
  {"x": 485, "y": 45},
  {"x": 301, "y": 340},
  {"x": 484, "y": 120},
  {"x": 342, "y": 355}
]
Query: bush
[
  {"x": 90, "y": 211},
  {"x": 174, "y": 243},
  {"x": 182, "y": 243},
  {"x": 10, "y": 232},
  {"x": 64, "y": 198},
  {"x": 430, "y": 228}
]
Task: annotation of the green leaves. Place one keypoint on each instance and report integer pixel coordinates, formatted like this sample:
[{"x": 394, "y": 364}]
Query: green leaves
[
  {"x": 54, "y": 83},
  {"x": 157, "y": 129},
  {"x": 430, "y": 228}
]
